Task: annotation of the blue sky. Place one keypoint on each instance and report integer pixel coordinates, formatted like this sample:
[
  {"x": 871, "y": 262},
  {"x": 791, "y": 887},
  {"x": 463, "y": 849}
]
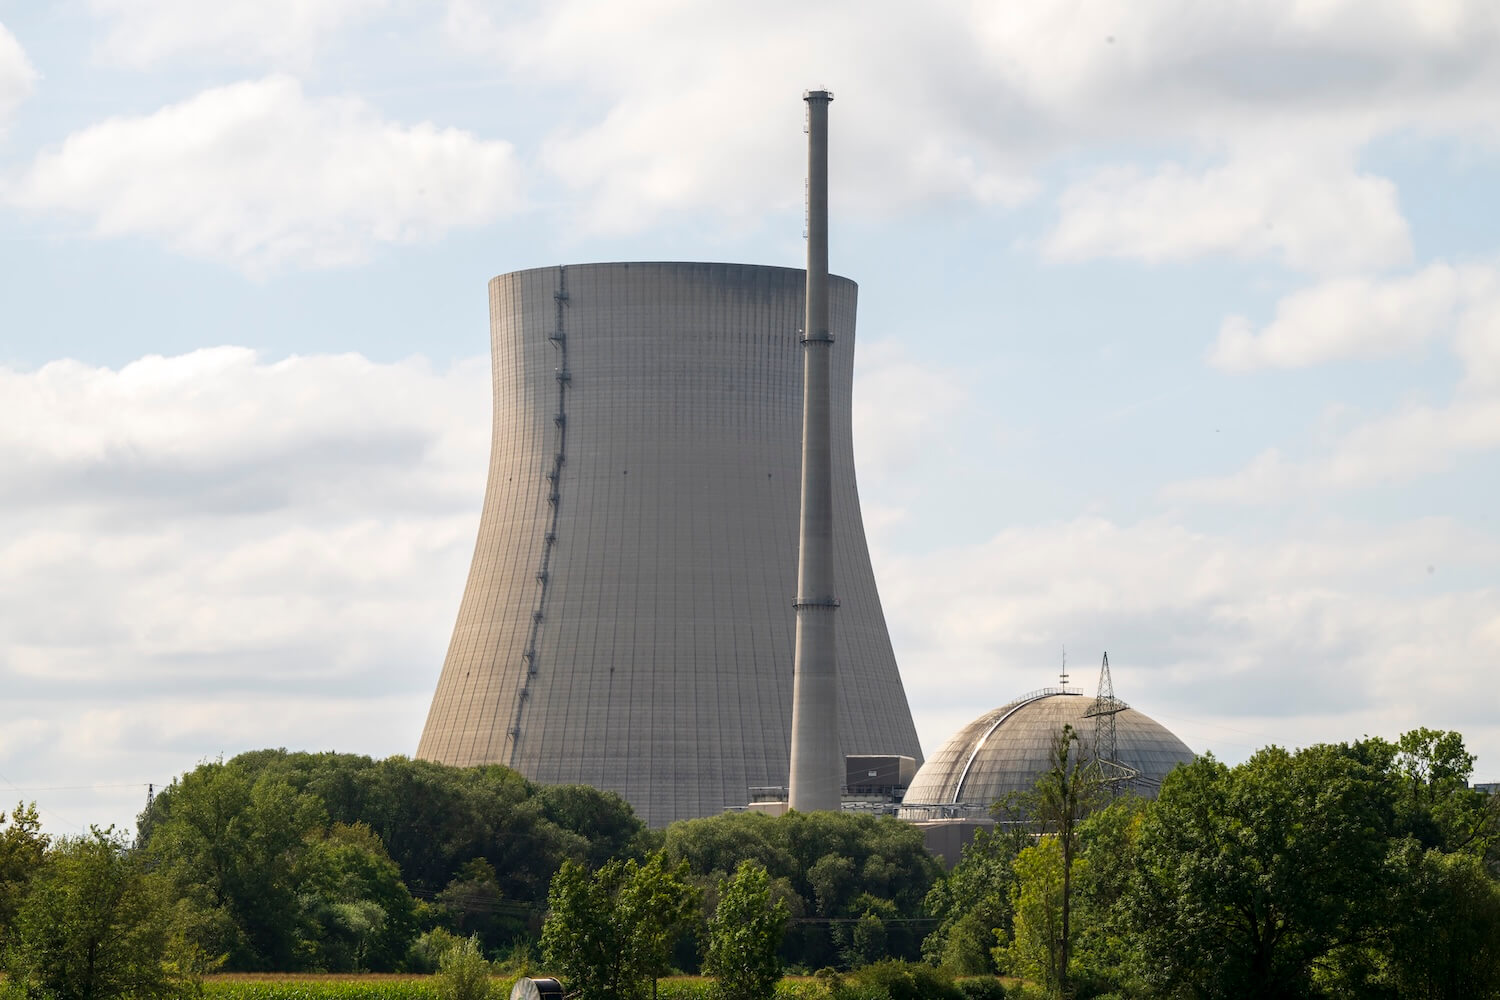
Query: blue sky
[{"x": 1179, "y": 337}]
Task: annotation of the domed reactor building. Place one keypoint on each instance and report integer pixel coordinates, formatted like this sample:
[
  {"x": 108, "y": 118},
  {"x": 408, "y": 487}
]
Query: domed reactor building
[
  {"x": 628, "y": 621},
  {"x": 1006, "y": 749}
]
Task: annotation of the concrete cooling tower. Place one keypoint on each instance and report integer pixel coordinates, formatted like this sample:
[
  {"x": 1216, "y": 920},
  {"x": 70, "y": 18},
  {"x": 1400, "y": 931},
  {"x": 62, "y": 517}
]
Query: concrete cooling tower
[{"x": 628, "y": 619}]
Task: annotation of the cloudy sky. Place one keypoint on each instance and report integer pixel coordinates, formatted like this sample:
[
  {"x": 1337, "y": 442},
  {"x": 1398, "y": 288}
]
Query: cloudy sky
[{"x": 1179, "y": 337}]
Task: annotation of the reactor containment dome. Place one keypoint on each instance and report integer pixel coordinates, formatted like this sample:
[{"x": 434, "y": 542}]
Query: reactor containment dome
[
  {"x": 628, "y": 620},
  {"x": 1006, "y": 749}
]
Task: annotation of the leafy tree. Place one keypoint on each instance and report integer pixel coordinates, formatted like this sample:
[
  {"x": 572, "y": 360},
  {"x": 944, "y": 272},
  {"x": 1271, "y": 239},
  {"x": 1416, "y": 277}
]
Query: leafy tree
[
  {"x": 828, "y": 867},
  {"x": 604, "y": 819},
  {"x": 463, "y": 973},
  {"x": 23, "y": 845},
  {"x": 1064, "y": 794},
  {"x": 972, "y": 902},
  {"x": 744, "y": 934},
  {"x": 1434, "y": 767},
  {"x": 230, "y": 843},
  {"x": 871, "y": 932},
  {"x": 1248, "y": 877},
  {"x": 1445, "y": 942},
  {"x": 357, "y": 913},
  {"x": 472, "y": 900},
  {"x": 96, "y": 926},
  {"x": 1102, "y": 946},
  {"x": 1037, "y": 896},
  {"x": 483, "y": 839},
  {"x": 608, "y": 934}
]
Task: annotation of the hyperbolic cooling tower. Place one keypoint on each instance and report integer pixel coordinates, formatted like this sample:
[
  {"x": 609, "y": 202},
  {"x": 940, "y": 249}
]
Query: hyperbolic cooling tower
[{"x": 628, "y": 619}]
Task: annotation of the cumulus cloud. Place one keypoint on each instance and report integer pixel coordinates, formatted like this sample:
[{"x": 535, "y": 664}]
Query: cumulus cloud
[
  {"x": 1352, "y": 318},
  {"x": 1396, "y": 448},
  {"x": 968, "y": 103},
  {"x": 262, "y": 176},
  {"x": 143, "y": 33},
  {"x": 17, "y": 76},
  {"x": 1314, "y": 217},
  {"x": 1204, "y": 629},
  {"x": 212, "y": 552}
]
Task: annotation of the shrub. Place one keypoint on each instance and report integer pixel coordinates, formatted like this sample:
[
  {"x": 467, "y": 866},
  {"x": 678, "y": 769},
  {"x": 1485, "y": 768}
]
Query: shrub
[
  {"x": 906, "y": 981},
  {"x": 463, "y": 973},
  {"x": 981, "y": 988},
  {"x": 429, "y": 948}
]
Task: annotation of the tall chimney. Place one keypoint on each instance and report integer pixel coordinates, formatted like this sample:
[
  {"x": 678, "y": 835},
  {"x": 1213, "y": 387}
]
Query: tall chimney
[{"x": 816, "y": 774}]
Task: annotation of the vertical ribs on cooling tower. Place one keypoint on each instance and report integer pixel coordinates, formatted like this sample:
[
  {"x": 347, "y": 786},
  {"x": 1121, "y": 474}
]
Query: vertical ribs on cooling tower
[{"x": 643, "y": 497}]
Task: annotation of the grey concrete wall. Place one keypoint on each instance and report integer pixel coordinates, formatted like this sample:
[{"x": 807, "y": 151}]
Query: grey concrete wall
[{"x": 662, "y": 664}]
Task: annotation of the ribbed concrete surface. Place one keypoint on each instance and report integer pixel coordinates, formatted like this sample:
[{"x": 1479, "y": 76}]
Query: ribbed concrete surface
[
  {"x": 1006, "y": 749},
  {"x": 662, "y": 633}
]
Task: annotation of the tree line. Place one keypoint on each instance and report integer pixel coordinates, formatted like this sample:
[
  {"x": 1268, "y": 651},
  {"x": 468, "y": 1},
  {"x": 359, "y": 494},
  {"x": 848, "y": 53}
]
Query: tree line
[
  {"x": 1365, "y": 869},
  {"x": 277, "y": 861},
  {"x": 1358, "y": 870}
]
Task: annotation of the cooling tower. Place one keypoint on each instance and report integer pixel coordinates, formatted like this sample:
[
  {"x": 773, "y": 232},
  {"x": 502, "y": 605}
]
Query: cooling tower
[{"x": 628, "y": 619}]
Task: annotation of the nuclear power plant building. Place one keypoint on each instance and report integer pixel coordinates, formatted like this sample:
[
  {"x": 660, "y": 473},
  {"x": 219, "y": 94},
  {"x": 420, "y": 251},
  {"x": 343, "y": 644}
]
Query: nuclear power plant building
[{"x": 628, "y": 621}]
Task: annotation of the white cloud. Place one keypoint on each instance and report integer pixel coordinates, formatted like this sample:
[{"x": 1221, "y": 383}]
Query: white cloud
[
  {"x": 17, "y": 76},
  {"x": 1351, "y": 318},
  {"x": 967, "y": 103},
  {"x": 262, "y": 176},
  {"x": 1301, "y": 638},
  {"x": 1397, "y": 448},
  {"x": 688, "y": 124},
  {"x": 1316, "y": 217},
  {"x": 208, "y": 553},
  {"x": 143, "y": 33}
]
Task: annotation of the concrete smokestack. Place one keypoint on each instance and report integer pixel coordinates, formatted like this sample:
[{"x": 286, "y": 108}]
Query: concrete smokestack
[{"x": 816, "y": 774}]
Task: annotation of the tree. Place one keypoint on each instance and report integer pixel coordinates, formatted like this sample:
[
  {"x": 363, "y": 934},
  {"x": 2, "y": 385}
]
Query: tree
[
  {"x": 1099, "y": 961},
  {"x": 472, "y": 902},
  {"x": 23, "y": 845},
  {"x": 608, "y": 934},
  {"x": 1434, "y": 767},
  {"x": 434, "y": 821},
  {"x": 1037, "y": 896},
  {"x": 357, "y": 915},
  {"x": 463, "y": 973},
  {"x": 230, "y": 841},
  {"x": 744, "y": 934},
  {"x": 972, "y": 903},
  {"x": 1249, "y": 877},
  {"x": 826, "y": 865},
  {"x": 96, "y": 926},
  {"x": 1445, "y": 942},
  {"x": 1064, "y": 794}
]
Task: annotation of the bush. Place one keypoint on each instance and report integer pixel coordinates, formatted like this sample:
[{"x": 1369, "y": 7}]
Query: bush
[
  {"x": 981, "y": 988},
  {"x": 904, "y": 981},
  {"x": 428, "y": 949},
  {"x": 463, "y": 973}
]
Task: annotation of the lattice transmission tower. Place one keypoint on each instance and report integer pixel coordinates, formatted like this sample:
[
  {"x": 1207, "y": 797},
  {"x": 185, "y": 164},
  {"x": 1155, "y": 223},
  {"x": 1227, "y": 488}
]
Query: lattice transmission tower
[{"x": 1113, "y": 772}]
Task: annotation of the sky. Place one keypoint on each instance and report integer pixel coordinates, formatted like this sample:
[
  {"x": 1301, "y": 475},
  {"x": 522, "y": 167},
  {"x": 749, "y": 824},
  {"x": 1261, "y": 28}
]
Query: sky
[{"x": 1179, "y": 337}]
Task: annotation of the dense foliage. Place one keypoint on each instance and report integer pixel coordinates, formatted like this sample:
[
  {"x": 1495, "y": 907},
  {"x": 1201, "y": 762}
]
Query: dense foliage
[
  {"x": 854, "y": 885},
  {"x": 335, "y": 862},
  {"x": 1351, "y": 870},
  {"x": 95, "y": 924},
  {"x": 744, "y": 934},
  {"x": 609, "y": 934},
  {"x": 1337, "y": 871}
]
